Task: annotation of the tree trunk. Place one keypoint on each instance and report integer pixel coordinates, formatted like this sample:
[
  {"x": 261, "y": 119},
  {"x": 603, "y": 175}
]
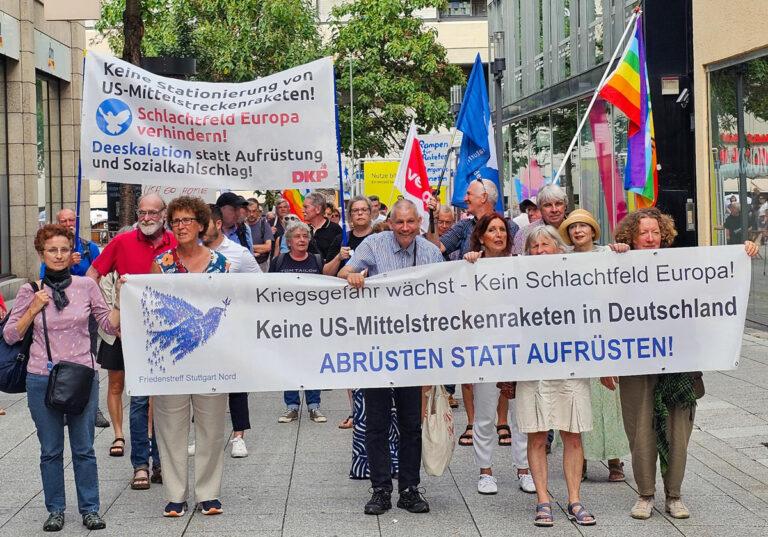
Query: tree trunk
[{"x": 133, "y": 32}]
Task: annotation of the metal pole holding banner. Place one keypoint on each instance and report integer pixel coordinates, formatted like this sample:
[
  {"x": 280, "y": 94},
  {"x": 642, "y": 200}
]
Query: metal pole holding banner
[
  {"x": 631, "y": 24},
  {"x": 456, "y": 98},
  {"x": 342, "y": 208}
]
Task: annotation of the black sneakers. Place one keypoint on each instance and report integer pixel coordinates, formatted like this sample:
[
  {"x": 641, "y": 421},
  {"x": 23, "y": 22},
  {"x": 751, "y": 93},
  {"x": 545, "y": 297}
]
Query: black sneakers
[
  {"x": 55, "y": 522},
  {"x": 380, "y": 502},
  {"x": 93, "y": 521},
  {"x": 412, "y": 501}
]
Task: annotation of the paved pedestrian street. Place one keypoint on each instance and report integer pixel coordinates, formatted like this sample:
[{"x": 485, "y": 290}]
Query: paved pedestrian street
[{"x": 294, "y": 483}]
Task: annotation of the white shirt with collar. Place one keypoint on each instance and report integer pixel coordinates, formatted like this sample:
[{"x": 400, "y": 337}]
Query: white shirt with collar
[{"x": 240, "y": 259}]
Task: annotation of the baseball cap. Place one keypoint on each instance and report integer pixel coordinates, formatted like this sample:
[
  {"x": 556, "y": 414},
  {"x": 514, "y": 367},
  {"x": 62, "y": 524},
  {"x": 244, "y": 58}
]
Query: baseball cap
[{"x": 231, "y": 199}]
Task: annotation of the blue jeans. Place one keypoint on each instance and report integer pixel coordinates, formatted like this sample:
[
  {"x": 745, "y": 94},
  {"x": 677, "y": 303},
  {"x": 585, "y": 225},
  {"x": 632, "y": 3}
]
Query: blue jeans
[
  {"x": 50, "y": 433},
  {"x": 293, "y": 399},
  {"x": 141, "y": 447}
]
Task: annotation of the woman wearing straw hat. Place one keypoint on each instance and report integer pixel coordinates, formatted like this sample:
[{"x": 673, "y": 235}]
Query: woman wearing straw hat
[{"x": 607, "y": 439}]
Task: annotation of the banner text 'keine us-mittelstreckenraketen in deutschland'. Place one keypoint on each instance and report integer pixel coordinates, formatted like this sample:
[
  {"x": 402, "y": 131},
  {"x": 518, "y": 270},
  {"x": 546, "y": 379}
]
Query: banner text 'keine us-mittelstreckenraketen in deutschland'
[
  {"x": 276, "y": 132},
  {"x": 516, "y": 318}
]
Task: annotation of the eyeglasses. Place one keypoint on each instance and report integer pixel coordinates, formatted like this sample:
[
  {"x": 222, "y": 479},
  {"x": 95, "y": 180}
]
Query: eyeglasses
[
  {"x": 151, "y": 214},
  {"x": 176, "y": 222},
  {"x": 55, "y": 251}
]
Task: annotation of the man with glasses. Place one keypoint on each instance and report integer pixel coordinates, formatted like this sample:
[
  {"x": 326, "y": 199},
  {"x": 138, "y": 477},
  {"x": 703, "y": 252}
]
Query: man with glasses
[
  {"x": 480, "y": 199},
  {"x": 134, "y": 253}
]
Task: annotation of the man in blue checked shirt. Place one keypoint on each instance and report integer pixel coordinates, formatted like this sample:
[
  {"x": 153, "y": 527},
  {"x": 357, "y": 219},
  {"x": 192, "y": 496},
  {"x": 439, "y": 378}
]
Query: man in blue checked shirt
[{"x": 383, "y": 252}]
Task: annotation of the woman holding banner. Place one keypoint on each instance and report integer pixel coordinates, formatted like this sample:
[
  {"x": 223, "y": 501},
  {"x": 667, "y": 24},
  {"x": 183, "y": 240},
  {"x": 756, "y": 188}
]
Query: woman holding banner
[
  {"x": 188, "y": 218},
  {"x": 658, "y": 410},
  {"x": 58, "y": 315},
  {"x": 492, "y": 237},
  {"x": 607, "y": 440},
  {"x": 562, "y": 405}
]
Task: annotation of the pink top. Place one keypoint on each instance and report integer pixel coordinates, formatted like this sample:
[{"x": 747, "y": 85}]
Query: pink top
[{"x": 67, "y": 329}]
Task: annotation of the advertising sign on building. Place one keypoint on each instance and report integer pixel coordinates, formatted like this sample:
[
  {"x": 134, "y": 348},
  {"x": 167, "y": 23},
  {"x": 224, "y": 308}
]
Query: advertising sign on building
[
  {"x": 52, "y": 57},
  {"x": 10, "y": 43}
]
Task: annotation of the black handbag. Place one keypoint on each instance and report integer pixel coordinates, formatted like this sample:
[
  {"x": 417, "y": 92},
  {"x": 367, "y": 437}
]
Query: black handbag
[
  {"x": 69, "y": 384},
  {"x": 14, "y": 358}
]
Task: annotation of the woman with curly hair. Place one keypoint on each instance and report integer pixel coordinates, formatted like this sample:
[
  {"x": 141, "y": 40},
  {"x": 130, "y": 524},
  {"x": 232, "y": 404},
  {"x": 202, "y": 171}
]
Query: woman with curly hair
[
  {"x": 57, "y": 310},
  {"x": 658, "y": 410},
  {"x": 188, "y": 218}
]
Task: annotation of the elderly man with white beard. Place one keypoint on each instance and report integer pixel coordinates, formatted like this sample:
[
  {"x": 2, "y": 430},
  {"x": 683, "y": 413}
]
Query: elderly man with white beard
[{"x": 134, "y": 253}]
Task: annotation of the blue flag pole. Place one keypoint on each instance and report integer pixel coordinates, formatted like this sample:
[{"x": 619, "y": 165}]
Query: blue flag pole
[
  {"x": 79, "y": 182},
  {"x": 342, "y": 208}
]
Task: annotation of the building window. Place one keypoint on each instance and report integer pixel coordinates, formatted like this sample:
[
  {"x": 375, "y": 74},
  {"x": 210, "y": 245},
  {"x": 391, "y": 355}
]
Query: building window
[
  {"x": 466, "y": 8},
  {"x": 595, "y": 31},
  {"x": 49, "y": 176},
  {"x": 563, "y": 130},
  {"x": 5, "y": 222},
  {"x": 739, "y": 164}
]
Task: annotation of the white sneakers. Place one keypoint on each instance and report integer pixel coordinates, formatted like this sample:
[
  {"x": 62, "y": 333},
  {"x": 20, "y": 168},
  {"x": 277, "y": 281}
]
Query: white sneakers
[
  {"x": 526, "y": 483},
  {"x": 238, "y": 448},
  {"x": 487, "y": 484}
]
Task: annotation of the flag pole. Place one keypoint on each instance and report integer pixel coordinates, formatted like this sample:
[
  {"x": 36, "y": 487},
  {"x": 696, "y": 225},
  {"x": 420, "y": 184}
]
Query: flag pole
[
  {"x": 342, "y": 208},
  {"x": 635, "y": 14}
]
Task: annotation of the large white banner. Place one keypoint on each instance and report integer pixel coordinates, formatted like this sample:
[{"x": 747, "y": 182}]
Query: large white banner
[
  {"x": 274, "y": 133},
  {"x": 519, "y": 318}
]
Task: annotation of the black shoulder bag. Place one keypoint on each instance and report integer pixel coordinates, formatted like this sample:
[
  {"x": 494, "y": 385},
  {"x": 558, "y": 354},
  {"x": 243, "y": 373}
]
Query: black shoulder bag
[{"x": 69, "y": 384}]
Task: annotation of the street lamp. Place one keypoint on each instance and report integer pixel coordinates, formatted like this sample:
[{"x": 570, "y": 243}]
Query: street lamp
[
  {"x": 498, "y": 66},
  {"x": 456, "y": 97}
]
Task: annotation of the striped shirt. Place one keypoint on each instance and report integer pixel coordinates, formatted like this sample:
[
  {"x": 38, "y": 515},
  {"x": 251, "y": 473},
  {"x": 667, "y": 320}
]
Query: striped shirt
[{"x": 382, "y": 253}]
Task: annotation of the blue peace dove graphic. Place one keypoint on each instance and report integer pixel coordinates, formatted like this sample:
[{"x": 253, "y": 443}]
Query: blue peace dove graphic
[
  {"x": 175, "y": 327},
  {"x": 113, "y": 117}
]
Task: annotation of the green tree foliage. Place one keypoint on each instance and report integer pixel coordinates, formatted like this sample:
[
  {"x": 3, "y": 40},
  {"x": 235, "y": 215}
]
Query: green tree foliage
[
  {"x": 400, "y": 72},
  {"x": 233, "y": 40}
]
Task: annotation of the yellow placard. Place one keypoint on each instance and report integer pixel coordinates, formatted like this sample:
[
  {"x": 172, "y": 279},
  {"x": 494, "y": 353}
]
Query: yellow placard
[{"x": 379, "y": 179}]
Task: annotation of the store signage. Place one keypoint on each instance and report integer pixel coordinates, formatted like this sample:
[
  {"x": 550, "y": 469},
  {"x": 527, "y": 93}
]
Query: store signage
[
  {"x": 9, "y": 36},
  {"x": 52, "y": 57}
]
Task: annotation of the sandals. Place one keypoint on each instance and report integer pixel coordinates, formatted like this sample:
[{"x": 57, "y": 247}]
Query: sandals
[
  {"x": 616, "y": 472},
  {"x": 544, "y": 518},
  {"x": 348, "y": 423},
  {"x": 140, "y": 479},
  {"x": 579, "y": 516},
  {"x": 505, "y": 439},
  {"x": 466, "y": 438},
  {"x": 117, "y": 450}
]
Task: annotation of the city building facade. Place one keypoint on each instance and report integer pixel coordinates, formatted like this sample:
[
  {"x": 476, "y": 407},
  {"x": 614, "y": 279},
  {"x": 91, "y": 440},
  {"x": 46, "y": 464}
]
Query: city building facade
[
  {"x": 730, "y": 52},
  {"x": 40, "y": 101}
]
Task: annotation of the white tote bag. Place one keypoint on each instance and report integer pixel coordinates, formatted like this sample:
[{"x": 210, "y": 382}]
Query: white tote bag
[{"x": 437, "y": 434}]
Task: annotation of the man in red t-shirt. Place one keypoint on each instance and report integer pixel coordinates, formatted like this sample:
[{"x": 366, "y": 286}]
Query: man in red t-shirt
[{"x": 133, "y": 253}]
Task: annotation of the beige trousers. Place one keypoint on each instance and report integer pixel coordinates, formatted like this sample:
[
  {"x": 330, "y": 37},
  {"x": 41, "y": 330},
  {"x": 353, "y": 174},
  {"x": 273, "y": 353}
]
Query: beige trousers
[
  {"x": 172, "y": 415},
  {"x": 637, "y": 410}
]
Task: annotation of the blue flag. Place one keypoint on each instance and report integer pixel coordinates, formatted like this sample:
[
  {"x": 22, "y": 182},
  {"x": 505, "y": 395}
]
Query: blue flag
[{"x": 477, "y": 156}]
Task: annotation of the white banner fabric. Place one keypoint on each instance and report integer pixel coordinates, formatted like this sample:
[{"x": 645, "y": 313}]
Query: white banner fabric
[
  {"x": 517, "y": 318},
  {"x": 273, "y": 133}
]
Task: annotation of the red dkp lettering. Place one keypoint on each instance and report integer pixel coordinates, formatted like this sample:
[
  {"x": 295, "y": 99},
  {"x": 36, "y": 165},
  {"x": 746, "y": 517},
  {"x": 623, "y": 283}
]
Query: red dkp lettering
[{"x": 309, "y": 176}]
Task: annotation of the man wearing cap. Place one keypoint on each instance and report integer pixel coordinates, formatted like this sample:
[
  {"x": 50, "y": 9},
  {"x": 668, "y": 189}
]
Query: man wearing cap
[
  {"x": 230, "y": 205},
  {"x": 529, "y": 212}
]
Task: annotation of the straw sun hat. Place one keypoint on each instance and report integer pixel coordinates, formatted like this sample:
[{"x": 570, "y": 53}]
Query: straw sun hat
[{"x": 576, "y": 216}]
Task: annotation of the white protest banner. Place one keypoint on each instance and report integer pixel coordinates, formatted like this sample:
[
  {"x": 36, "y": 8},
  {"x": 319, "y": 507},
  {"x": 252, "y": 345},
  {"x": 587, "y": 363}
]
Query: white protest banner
[
  {"x": 276, "y": 132},
  {"x": 435, "y": 147},
  {"x": 516, "y": 318},
  {"x": 167, "y": 193}
]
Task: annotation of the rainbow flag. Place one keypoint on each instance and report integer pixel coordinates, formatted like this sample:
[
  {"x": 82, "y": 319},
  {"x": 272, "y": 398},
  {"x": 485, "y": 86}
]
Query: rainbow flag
[
  {"x": 627, "y": 89},
  {"x": 295, "y": 199}
]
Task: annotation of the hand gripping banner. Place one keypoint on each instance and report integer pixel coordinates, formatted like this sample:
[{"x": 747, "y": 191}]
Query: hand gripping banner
[
  {"x": 273, "y": 133},
  {"x": 516, "y": 318}
]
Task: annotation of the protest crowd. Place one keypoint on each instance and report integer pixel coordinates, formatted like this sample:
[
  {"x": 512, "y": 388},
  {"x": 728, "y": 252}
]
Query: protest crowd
[{"x": 76, "y": 305}]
